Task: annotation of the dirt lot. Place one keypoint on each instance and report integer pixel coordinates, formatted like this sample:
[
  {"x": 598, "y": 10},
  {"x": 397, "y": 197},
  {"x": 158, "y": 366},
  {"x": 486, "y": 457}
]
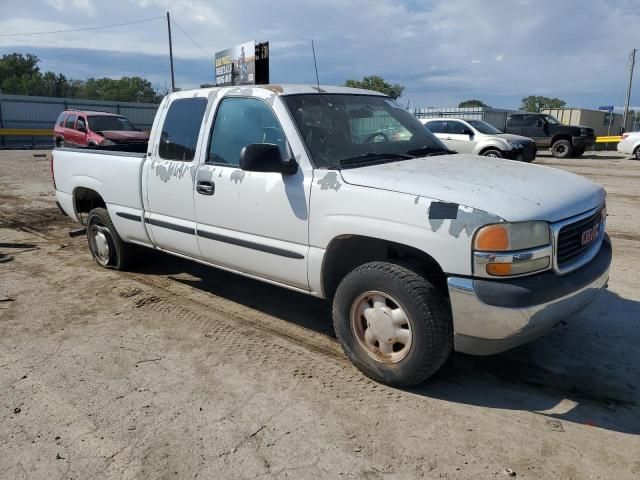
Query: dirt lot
[{"x": 175, "y": 370}]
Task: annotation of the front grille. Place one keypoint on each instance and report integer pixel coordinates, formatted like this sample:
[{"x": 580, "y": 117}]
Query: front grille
[{"x": 570, "y": 239}]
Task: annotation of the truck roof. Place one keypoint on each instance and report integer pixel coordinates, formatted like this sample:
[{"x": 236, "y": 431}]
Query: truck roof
[{"x": 296, "y": 89}]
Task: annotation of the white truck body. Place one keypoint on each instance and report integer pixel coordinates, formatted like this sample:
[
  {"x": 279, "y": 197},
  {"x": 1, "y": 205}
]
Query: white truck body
[{"x": 282, "y": 228}]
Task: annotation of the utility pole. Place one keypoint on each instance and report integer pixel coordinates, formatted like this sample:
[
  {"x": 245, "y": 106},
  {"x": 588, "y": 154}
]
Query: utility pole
[
  {"x": 632, "y": 62},
  {"x": 173, "y": 80}
]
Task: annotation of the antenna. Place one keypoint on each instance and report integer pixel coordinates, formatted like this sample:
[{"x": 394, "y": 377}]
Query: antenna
[{"x": 315, "y": 64}]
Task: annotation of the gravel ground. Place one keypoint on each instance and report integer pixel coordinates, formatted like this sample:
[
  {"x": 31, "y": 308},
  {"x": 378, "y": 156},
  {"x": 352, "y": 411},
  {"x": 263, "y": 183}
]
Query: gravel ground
[{"x": 175, "y": 370}]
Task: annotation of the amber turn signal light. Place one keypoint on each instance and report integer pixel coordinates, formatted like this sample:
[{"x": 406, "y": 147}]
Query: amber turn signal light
[{"x": 494, "y": 238}]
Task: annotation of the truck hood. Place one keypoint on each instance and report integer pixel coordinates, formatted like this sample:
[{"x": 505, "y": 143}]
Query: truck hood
[
  {"x": 514, "y": 191},
  {"x": 124, "y": 136}
]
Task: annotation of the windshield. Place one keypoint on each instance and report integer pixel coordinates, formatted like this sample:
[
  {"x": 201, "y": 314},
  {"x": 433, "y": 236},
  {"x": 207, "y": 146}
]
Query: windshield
[
  {"x": 552, "y": 120},
  {"x": 341, "y": 129},
  {"x": 484, "y": 127},
  {"x": 99, "y": 123}
]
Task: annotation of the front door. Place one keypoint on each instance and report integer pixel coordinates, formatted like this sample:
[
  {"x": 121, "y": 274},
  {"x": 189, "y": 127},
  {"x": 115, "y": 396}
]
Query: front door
[
  {"x": 169, "y": 185},
  {"x": 252, "y": 222},
  {"x": 535, "y": 127}
]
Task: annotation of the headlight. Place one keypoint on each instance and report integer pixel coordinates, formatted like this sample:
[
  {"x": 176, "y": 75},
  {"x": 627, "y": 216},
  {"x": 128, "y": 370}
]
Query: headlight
[
  {"x": 107, "y": 142},
  {"x": 511, "y": 249}
]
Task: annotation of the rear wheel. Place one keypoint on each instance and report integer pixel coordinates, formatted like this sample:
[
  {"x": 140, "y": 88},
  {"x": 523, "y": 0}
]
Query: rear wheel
[
  {"x": 60, "y": 143},
  {"x": 106, "y": 246},
  {"x": 393, "y": 324},
  {"x": 492, "y": 153},
  {"x": 636, "y": 153},
  {"x": 561, "y": 149}
]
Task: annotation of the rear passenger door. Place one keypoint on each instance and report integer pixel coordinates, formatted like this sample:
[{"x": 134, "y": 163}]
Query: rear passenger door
[
  {"x": 458, "y": 137},
  {"x": 439, "y": 129},
  {"x": 69, "y": 133},
  {"x": 168, "y": 179}
]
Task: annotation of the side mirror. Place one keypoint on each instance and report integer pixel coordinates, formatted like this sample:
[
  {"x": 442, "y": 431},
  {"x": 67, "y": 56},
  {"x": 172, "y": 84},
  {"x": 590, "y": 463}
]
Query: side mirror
[
  {"x": 265, "y": 157},
  {"x": 467, "y": 131}
]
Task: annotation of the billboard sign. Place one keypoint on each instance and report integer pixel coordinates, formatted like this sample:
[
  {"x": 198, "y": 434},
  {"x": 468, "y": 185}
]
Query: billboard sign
[{"x": 236, "y": 65}]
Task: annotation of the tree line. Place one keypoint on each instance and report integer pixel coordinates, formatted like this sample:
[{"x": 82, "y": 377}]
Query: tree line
[{"x": 21, "y": 75}]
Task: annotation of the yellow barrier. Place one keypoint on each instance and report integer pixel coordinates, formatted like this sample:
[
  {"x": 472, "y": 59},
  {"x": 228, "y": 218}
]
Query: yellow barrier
[
  {"x": 610, "y": 139},
  {"x": 26, "y": 132}
]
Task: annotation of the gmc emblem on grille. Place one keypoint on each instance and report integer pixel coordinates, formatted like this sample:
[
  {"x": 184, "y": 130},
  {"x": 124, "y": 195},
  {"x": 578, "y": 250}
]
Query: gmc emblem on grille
[{"x": 590, "y": 235}]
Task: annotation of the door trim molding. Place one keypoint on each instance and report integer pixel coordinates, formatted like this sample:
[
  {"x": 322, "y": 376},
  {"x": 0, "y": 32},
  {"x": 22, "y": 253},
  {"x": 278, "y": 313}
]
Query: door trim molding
[{"x": 248, "y": 244}]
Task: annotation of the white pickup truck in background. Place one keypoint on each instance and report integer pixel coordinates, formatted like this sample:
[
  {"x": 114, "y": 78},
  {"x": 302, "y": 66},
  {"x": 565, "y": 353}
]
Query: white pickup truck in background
[{"x": 342, "y": 194}]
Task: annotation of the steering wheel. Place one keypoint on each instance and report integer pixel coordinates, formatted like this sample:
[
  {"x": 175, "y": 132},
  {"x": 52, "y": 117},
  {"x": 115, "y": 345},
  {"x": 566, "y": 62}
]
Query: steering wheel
[{"x": 374, "y": 135}]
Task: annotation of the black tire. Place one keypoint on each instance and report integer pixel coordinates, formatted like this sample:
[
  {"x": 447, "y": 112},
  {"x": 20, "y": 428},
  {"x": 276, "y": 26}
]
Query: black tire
[
  {"x": 119, "y": 254},
  {"x": 578, "y": 151},
  {"x": 492, "y": 152},
  {"x": 426, "y": 308},
  {"x": 561, "y": 149},
  {"x": 636, "y": 153},
  {"x": 60, "y": 143}
]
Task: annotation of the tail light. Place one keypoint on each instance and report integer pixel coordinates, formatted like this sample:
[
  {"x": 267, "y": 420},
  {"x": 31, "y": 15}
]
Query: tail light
[{"x": 53, "y": 176}]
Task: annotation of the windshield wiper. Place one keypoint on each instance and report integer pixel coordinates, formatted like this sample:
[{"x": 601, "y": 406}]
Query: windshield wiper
[
  {"x": 431, "y": 151},
  {"x": 371, "y": 157}
]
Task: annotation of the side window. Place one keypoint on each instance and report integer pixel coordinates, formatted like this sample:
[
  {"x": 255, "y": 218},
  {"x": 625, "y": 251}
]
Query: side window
[
  {"x": 437, "y": 126},
  {"x": 60, "y": 120},
  {"x": 531, "y": 121},
  {"x": 81, "y": 124},
  {"x": 515, "y": 120},
  {"x": 71, "y": 121},
  {"x": 181, "y": 127},
  {"x": 239, "y": 122},
  {"x": 456, "y": 128}
]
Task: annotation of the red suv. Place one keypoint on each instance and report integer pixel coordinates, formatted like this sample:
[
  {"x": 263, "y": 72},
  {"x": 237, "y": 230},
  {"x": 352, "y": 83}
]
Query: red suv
[{"x": 77, "y": 128}]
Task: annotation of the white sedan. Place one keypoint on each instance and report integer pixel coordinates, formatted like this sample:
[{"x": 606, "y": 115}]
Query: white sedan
[{"x": 630, "y": 144}]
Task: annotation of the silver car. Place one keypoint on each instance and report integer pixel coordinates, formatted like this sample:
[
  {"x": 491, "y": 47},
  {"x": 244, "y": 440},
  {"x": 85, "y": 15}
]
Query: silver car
[{"x": 480, "y": 138}]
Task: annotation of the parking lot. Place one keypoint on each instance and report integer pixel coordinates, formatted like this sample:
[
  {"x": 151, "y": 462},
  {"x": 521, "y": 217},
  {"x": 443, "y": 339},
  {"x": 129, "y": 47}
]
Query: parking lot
[{"x": 176, "y": 370}]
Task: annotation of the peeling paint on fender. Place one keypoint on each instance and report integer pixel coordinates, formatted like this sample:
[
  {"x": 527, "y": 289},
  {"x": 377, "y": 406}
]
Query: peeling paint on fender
[
  {"x": 467, "y": 220},
  {"x": 330, "y": 181}
]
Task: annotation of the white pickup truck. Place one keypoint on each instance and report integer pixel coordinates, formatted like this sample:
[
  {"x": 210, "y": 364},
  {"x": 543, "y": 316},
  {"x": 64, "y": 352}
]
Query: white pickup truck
[{"x": 342, "y": 194}]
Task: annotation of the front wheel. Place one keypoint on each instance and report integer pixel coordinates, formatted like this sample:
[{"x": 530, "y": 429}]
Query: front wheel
[
  {"x": 636, "y": 153},
  {"x": 492, "y": 153},
  {"x": 561, "y": 149},
  {"x": 392, "y": 323},
  {"x": 106, "y": 246}
]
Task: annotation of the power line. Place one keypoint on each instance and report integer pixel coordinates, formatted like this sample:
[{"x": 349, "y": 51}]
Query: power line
[
  {"x": 189, "y": 37},
  {"x": 80, "y": 29}
]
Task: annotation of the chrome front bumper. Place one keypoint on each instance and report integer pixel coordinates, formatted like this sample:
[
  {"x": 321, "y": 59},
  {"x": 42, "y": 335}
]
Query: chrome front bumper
[{"x": 493, "y": 316}]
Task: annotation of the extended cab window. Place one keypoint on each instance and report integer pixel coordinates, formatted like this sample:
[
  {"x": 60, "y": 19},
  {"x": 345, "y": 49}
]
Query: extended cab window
[
  {"x": 179, "y": 136},
  {"x": 240, "y": 122},
  {"x": 515, "y": 120},
  {"x": 71, "y": 121}
]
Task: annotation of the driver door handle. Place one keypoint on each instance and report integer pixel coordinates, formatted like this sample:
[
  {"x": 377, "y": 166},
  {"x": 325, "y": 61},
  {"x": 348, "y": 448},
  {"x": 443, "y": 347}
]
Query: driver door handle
[{"x": 205, "y": 188}]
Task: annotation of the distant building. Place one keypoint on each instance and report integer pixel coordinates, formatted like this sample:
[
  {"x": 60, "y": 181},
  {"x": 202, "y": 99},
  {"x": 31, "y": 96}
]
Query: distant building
[{"x": 602, "y": 122}]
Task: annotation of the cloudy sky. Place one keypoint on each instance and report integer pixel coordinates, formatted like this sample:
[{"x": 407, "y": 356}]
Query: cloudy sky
[{"x": 441, "y": 51}]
